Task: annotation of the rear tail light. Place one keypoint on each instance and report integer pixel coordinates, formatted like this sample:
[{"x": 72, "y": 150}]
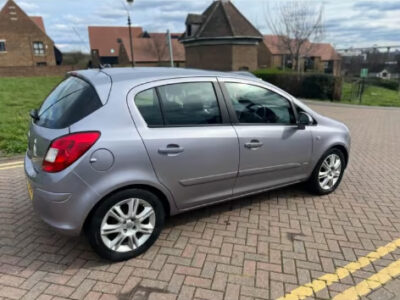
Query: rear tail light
[{"x": 65, "y": 150}]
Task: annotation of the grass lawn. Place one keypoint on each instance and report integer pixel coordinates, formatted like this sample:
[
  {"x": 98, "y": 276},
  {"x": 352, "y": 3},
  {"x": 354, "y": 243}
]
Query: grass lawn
[
  {"x": 373, "y": 95},
  {"x": 17, "y": 97}
]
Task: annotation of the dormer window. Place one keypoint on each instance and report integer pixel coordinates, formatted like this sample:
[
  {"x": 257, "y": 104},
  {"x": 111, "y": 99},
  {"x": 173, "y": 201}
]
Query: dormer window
[{"x": 189, "y": 30}]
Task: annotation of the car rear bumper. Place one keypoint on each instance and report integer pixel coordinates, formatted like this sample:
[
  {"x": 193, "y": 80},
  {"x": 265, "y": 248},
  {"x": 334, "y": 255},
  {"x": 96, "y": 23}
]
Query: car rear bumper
[{"x": 63, "y": 201}]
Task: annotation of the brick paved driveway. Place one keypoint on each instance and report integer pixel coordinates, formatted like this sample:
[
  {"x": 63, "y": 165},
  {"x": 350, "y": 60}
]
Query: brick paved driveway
[{"x": 258, "y": 247}]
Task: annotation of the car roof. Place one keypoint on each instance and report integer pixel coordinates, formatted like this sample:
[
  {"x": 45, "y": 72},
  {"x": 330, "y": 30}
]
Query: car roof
[{"x": 147, "y": 74}]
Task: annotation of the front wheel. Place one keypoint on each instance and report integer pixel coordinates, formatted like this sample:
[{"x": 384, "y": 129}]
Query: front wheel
[
  {"x": 328, "y": 173},
  {"x": 126, "y": 224}
]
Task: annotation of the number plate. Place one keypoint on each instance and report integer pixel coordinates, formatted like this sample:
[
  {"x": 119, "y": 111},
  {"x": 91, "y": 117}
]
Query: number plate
[{"x": 30, "y": 190}]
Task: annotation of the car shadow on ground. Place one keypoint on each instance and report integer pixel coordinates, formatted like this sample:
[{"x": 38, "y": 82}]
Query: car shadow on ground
[{"x": 277, "y": 196}]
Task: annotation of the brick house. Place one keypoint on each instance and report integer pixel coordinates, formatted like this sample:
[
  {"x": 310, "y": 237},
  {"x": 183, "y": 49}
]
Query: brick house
[
  {"x": 221, "y": 39},
  {"x": 23, "y": 39},
  {"x": 111, "y": 45},
  {"x": 320, "y": 57}
]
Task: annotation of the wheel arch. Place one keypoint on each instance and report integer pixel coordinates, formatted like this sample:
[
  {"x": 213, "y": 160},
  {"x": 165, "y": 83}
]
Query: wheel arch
[
  {"x": 342, "y": 149},
  {"x": 152, "y": 189}
]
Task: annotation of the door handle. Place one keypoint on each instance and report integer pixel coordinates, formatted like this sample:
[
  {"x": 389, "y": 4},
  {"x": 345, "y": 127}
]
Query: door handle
[
  {"x": 171, "y": 149},
  {"x": 253, "y": 144}
]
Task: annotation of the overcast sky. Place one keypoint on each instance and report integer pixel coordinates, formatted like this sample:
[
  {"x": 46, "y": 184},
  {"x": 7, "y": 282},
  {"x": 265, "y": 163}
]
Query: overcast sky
[{"x": 348, "y": 22}]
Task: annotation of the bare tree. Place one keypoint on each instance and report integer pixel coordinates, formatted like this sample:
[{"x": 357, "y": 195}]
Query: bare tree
[
  {"x": 160, "y": 44},
  {"x": 296, "y": 23}
]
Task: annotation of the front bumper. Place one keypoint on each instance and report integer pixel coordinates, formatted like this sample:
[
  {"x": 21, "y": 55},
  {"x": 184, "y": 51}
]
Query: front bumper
[{"x": 62, "y": 200}]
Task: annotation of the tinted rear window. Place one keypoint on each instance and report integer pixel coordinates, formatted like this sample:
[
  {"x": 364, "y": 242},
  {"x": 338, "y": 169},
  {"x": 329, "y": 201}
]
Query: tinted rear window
[
  {"x": 72, "y": 100},
  {"x": 149, "y": 107}
]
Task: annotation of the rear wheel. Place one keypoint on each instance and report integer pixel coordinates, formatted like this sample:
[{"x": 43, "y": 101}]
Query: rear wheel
[
  {"x": 328, "y": 173},
  {"x": 126, "y": 224}
]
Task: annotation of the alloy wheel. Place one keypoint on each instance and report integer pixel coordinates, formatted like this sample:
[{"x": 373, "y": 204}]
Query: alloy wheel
[
  {"x": 329, "y": 172},
  {"x": 128, "y": 225}
]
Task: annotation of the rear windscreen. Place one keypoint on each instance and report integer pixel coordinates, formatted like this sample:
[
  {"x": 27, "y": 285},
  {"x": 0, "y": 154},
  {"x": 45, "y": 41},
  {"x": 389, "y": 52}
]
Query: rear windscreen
[{"x": 72, "y": 100}]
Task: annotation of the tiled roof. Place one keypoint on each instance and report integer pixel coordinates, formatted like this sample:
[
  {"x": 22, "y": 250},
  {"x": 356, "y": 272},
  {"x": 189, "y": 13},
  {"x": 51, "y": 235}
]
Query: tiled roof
[
  {"x": 274, "y": 45},
  {"x": 152, "y": 49},
  {"x": 159, "y": 39},
  {"x": 144, "y": 49},
  {"x": 223, "y": 19},
  {"x": 194, "y": 19},
  {"x": 105, "y": 38},
  {"x": 39, "y": 22},
  {"x": 323, "y": 50}
]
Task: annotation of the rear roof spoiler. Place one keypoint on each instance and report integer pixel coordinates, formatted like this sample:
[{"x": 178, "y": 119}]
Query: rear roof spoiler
[{"x": 100, "y": 81}]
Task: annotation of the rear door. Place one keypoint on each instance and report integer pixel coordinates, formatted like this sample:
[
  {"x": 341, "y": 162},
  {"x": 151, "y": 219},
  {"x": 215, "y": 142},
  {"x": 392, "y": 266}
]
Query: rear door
[
  {"x": 192, "y": 146},
  {"x": 72, "y": 100},
  {"x": 273, "y": 150}
]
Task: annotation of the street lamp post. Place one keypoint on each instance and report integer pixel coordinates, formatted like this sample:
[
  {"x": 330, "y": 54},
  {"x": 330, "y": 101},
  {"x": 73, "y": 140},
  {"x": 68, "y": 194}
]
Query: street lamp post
[{"x": 130, "y": 2}]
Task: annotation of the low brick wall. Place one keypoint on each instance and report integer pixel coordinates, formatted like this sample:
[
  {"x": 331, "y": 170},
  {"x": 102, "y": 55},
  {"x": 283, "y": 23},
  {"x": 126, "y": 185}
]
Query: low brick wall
[{"x": 35, "y": 71}]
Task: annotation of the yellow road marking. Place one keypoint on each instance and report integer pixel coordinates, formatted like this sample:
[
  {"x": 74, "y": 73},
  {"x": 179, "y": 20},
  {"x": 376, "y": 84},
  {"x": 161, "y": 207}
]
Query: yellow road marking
[
  {"x": 11, "y": 167},
  {"x": 368, "y": 285},
  {"x": 326, "y": 280},
  {"x": 11, "y": 163}
]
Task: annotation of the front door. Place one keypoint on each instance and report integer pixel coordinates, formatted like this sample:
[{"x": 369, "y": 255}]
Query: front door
[
  {"x": 192, "y": 146},
  {"x": 273, "y": 150}
]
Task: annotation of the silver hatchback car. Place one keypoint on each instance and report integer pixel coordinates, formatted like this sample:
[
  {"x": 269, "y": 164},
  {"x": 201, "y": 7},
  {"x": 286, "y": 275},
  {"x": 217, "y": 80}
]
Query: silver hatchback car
[{"x": 113, "y": 152}]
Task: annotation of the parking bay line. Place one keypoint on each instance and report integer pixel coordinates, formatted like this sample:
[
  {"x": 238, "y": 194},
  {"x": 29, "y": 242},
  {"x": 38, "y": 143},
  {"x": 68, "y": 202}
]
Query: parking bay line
[
  {"x": 11, "y": 167},
  {"x": 326, "y": 280},
  {"x": 11, "y": 163},
  {"x": 371, "y": 283}
]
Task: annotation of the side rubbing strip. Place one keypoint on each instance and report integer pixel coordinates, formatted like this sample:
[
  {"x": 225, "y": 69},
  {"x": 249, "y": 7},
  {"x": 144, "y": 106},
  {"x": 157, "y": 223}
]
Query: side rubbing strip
[
  {"x": 269, "y": 169},
  {"x": 206, "y": 179}
]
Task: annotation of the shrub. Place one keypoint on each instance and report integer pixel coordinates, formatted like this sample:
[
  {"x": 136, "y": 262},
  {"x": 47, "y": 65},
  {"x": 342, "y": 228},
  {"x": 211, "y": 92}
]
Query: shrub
[
  {"x": 312, "y": 86},
  {"x": 387, "y": 84}
]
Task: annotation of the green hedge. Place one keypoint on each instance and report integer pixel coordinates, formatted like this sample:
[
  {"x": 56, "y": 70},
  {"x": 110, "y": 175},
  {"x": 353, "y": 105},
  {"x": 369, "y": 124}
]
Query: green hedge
[
  {"x": 385, "y": 83},
  {"x": 311, "y": 86}
]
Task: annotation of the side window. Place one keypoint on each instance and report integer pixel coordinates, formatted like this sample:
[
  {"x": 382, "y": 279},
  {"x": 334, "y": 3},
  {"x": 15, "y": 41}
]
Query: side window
[
  {"x": 149, "y": 107},
  {"x": 254, "y": 104},
  {"x": 190, "y": 104}
]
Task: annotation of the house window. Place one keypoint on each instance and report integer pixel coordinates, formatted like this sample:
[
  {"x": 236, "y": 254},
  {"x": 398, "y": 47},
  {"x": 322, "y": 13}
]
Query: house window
[
  {"x": 38, "y": 48},
  {"x": 3, "y": 46},
  {"x": 41, "y": 64},
  {"x": 328, "y": 67}
]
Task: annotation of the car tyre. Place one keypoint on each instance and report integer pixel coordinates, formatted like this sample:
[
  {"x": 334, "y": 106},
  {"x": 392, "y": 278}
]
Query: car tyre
[
  {"x": 328, "y": 173},
  {"x": 125, "y": 224}
]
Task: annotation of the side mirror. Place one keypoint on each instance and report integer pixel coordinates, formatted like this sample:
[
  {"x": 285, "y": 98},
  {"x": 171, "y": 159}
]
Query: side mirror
[
  {"x": 34, "y": 114},
  {"x": 304, "y": 120}
]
